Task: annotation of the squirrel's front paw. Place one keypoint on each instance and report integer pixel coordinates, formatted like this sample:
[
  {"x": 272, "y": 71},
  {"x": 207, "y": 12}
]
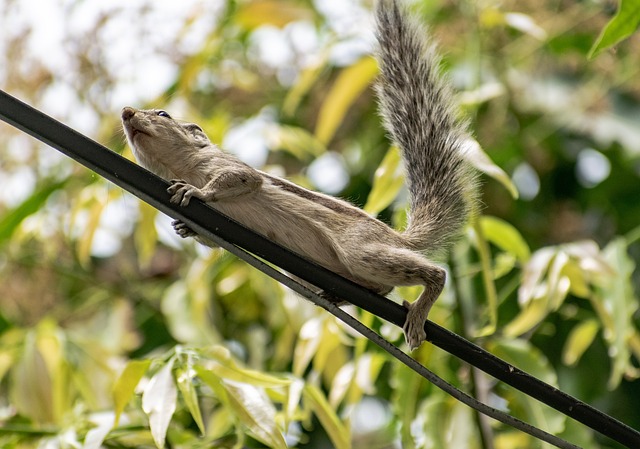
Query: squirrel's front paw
[
  {"x": 181, "y": 192},
  {"x": 182, "y": 229},
  {"x": 414, "y": 332}
]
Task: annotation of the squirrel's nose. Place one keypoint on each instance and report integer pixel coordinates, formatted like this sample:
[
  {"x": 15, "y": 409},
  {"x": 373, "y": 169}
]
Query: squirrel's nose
[{"x": 128, "y": 112}]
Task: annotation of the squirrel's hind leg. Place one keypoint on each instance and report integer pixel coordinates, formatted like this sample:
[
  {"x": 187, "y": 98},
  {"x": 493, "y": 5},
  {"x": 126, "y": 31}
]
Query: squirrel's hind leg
[{"x": 394, "y": 266}]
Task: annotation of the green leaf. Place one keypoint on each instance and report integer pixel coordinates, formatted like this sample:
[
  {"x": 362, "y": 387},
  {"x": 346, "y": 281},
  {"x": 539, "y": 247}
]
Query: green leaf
[
  {"x": 159, "y": 402},
  {"x": 623, "y": 25},
  {"x": 184, "y": 379},
  {"x": 580, "y": 338},
  {"x": 505, "y": 236},
  {"x": 338, "y": 433},
  {"x": 126, "y": 384},
  {"x": 254, "y": 409},
  {"x": 617, "y": 305},
  {"x": 387, "y": 182},
  {"x": 11, "y": 219},
  {"x": 351, "y": 82},
  {"x": 235, "y": 373},
  {"x": 249, "y": 406}
]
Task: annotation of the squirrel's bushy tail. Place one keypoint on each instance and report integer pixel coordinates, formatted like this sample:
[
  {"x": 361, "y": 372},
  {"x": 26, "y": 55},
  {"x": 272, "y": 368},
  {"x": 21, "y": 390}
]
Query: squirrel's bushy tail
[{"x": 416, "y": 104}]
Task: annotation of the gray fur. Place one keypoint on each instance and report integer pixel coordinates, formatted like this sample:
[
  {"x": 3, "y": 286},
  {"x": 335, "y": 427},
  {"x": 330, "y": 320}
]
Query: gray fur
[
  {"x": 416, "y": 105},
  {"x": 417, "y": 108}
]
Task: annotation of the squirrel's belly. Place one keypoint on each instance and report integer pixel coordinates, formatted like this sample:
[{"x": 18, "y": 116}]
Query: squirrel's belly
[{"x": 302, "y": 233}]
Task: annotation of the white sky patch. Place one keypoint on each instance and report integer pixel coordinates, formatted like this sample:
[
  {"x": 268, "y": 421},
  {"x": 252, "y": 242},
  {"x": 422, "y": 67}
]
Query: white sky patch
[
  {"x": 592, "y": 168},
  {"x": 328, "y": 173},
  {"x": 526, "y": 180},
  {"x": 248, "y": 140},
  {"x": 271, "y": 46},
  {"x": 17, "y": 186}
]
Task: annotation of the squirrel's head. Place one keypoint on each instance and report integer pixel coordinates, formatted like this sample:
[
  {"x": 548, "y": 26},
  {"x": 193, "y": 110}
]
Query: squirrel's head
[{"x": 160, "y": 143}]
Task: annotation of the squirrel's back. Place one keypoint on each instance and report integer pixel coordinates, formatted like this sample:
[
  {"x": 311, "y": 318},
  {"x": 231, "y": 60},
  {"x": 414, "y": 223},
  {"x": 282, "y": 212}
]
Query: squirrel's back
[{"x": 418, "y": 111}]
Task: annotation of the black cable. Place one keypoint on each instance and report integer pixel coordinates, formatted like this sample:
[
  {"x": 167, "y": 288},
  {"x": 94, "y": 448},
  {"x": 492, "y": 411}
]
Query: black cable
[
  {"x": 205, "y": 220},
  {"x": 394, "y": 351}
]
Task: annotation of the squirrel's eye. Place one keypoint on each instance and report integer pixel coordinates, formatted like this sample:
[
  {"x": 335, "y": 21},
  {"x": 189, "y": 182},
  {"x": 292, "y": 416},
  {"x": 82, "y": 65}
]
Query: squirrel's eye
[{"x": 163, "y": 114}]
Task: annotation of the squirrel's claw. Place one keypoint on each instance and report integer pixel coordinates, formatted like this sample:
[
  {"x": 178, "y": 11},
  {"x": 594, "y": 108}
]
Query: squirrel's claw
[
  {"x": 182, "y": 229},
  {"x": 414, "y": 332},
  {"x": 181, "y": 192}
]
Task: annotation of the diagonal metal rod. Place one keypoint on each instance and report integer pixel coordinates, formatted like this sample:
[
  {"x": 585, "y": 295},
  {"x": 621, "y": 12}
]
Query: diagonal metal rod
[{"x": 203, "y": 219}]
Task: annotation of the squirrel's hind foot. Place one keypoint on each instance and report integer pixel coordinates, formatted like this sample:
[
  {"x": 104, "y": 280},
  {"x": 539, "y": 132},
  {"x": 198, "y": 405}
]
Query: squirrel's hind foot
[{"x": 414, "y": 332}]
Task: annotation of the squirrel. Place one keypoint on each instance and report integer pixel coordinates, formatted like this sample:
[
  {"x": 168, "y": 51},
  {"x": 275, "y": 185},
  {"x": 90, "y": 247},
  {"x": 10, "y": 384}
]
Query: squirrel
[{"x": 418, "y": 112}]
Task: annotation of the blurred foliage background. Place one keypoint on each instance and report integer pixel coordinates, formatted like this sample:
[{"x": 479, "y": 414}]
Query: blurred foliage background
[{"x": 114, "y": 333}]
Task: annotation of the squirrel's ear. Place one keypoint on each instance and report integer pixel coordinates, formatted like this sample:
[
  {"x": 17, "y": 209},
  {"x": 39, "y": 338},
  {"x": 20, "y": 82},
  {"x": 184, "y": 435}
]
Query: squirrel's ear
[{"x": 196, "y": 132}]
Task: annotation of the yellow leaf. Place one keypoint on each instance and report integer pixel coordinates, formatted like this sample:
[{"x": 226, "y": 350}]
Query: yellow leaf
[
  {"x": 126, "y": 384},
  {"x": 579, "y": 340},
  {"x": 297, "y": 141},
  {"x": 271, "y": 12},
  {"x": 232, "y": 372},
  {"x": 303, "y": 84},
  {"x": 387, "y": 182},
  {"x": 6, "y": 362},
  {"x": 505, "y": 236},
  {"x": 85, "y": 240},
  {"x": 146, "y": 235},
  {"x": 351, "y": 82},
  {"x": 530, "y": 316},
  {"x": 579, "y": 285}
]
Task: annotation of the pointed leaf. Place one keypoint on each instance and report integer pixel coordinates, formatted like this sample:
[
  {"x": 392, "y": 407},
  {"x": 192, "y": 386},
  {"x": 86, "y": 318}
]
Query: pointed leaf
[
  {"x": 159, "y": 402},
  {"x": 303, "y": 84},
  {"x": 257, "y": 378},
  {"x": 623, "y": 25},
  {"x": 618, "y": 299},
  {"x": 95, "y": 436},
  {"x": 297, "y": 141},
  {"x": 331, "y": 422},
  {"x": 126, "y": 384},
  {"x": 387, "y": 182},
  {"x": 526, "y": 24},
  {"x": 505, "y": 236},
  {"x": 351, "y": 82},
  {"x": 481, "y": 161},
  {"x": 534, "y": 273},
  {"x": 146, "y": 236},
  {"x": 580, "y": 338},
  {"x": 11, "y": 219},
  {"x": 530, "y": 316},
  {"x": 184, "y": 379},
  {"x": 254, "y": 409}
]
